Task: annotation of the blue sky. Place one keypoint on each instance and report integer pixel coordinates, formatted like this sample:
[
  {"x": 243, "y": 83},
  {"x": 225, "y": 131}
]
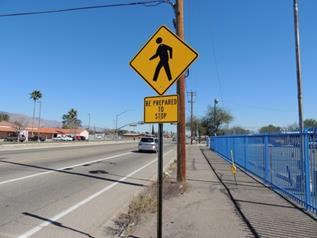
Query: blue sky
[{"x": 81, "y": 59}]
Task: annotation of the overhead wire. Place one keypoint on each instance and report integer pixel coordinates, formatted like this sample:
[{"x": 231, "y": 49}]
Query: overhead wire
[{"x": 152, "y": 3}]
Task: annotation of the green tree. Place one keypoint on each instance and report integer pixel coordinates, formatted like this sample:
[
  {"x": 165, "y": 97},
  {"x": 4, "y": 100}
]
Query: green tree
[
  {"x": 35, "y": 95},
  {"x": 4, "y": 117},
  {"x": 70, "y": 120},
  {"x": 237, "y": 130},
  {"x": 214, "y": 120},
  {"x": 270, "y": 129},
  {"x": 293, "y": 127},
  {"x": 310, "y": 123}
]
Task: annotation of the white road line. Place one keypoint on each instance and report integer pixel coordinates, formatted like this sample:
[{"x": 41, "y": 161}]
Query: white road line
[
  {"x": 83, "y": 202},
  {"x": 60, "y": 169}
]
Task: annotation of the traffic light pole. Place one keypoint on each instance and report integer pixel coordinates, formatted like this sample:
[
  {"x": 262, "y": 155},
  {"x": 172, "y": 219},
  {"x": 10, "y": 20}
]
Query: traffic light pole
[{"x": 181, "y": 136}]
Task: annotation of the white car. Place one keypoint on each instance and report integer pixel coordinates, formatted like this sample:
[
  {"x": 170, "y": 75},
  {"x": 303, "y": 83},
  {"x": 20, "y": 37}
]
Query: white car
[
  {"x": 62, "y": 138},
  {"x": 67, "y": 138},
  {"x": 57, "y": 138},
  {"x": 148, "y": 144}
]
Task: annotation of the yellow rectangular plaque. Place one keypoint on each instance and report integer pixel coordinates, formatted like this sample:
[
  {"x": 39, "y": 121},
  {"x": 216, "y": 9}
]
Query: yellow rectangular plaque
[{"x": 161, "y": 109}]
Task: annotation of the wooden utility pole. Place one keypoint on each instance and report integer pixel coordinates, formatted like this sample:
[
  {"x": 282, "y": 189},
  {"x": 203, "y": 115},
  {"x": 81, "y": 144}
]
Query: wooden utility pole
[
  {"x": 191, "y": 101},
  {"x": 181, "y": 136},
  {"x": 299, "y": 69}
]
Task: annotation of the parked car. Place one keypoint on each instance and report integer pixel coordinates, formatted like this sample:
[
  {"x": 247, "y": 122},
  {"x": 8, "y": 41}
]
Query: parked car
[
  {"x": 63, "y": 138},
  {"x": 68, "y": 138},
  {"x": 148, "y": 144},
  {"x": 76, "y": 138},
  {"x": 15, "y": 137},
  {"x": 58, "y": 138},
  {"x": 79, "y": 138},
  {"x": 36, "y": 138}
]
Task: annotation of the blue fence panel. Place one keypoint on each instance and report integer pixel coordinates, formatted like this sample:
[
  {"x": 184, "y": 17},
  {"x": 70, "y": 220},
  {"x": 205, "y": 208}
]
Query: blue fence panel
[
  {"x": 279, "y": 160},
  {"x": 239, "y": 150},
  {"x": 312, "y": 155},
  {"x": 287, "y": 171},
  {"x": 255, "y": 155}
]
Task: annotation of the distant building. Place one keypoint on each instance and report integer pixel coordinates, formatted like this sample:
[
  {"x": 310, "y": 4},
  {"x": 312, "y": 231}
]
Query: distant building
[
  {"x": 7, "y": 127},
  {"x": 132, "y": 135},
  {"x": 50, "y": 133}
]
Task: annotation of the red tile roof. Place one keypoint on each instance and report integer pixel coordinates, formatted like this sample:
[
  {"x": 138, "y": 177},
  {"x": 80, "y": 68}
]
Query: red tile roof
[
  {"x": 7, "y": 126},
  {"x": 10, "y": 127},
  {"x": 7, "y": 129}
]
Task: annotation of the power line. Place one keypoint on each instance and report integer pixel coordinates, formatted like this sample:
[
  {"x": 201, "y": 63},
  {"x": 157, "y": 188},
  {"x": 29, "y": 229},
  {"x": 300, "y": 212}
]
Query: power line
[{"x": 144, "y": 3}]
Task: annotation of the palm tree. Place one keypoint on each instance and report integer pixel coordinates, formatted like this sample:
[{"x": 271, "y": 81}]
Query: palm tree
[
  {"x": 35, "y": 95},
  {"x": 70, "y": 120}
]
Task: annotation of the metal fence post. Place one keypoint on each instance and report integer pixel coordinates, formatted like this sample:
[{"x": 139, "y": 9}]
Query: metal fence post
[
  {"x": 266, "y": 159},
  {"x": 245, "y": 151},
  {"x": 307, "y": 170}
]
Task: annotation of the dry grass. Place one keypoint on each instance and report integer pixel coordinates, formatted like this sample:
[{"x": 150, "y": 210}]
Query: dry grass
[{"x": 145, "y": 203}]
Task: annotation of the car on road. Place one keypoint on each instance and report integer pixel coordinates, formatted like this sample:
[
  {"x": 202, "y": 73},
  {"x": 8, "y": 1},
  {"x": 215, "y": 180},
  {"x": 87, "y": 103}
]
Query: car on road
[
  {"x": 148, "y": 144},
  {"x": 37, "y": 138},
  {"x": 14, "y": 137}
]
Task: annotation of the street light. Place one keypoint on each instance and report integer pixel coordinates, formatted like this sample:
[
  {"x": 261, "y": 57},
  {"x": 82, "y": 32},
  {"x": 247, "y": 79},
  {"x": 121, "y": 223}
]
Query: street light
[
  {"x": 216, "y": 101},
  {"x": 88, "y": 121},
  {"x": 128, "y": 110}
]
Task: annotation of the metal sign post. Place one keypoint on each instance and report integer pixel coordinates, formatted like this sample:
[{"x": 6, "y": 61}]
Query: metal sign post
[
  {"x": 160, "y": 182},
  {"x": 161, "y": 62},
  {"x": 160, "y": 109}
]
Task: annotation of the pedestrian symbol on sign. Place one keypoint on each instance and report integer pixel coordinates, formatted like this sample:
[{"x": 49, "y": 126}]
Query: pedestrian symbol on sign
[
  {"x": 163, "y": 59},
  {"x": 165, "y": 53}
]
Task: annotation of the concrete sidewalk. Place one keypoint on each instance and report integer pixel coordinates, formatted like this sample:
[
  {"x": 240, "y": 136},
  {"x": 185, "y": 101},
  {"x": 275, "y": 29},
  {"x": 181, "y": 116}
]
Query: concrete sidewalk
[
  {"x": 266, "y": 213},
  {"x": 204, "y": 210},
  {"x": 213, "y": 205}
]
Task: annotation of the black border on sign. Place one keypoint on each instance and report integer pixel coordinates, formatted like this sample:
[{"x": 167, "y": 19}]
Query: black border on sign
[
  {"x": 184, "y": 43},
  {"x": 177, "y": 113}
]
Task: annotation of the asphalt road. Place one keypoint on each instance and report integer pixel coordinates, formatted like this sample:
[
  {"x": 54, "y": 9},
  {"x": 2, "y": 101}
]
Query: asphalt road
[{"x": 71, "y": 191}]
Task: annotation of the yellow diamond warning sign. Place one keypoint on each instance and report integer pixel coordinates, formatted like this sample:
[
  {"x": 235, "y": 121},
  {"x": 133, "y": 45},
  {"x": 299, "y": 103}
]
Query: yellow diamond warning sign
[
  {"x": 163, "y": 59},
  {"x": 161, "y": 109}
]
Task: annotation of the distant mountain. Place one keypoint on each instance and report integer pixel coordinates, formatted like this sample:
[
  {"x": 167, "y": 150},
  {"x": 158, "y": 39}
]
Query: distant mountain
[{"x": 27, "y": 120}]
